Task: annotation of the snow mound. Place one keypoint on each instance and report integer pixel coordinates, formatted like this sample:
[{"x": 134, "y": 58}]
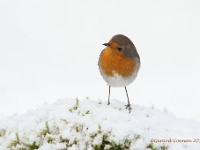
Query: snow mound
[{"x": 70, "y": 124}]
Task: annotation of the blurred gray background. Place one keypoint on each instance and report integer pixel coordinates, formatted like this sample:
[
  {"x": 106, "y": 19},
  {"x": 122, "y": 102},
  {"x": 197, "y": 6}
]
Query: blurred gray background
[{"x": 50, "y": 49}]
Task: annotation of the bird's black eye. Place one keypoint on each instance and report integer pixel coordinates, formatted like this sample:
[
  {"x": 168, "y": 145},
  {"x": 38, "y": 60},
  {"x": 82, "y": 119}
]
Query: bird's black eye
[{"x": 119, "y": 49}]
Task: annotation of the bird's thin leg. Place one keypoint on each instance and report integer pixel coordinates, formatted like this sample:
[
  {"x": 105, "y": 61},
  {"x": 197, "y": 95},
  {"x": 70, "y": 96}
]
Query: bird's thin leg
[
  {"x": 109, "y": 96},
  {"x": 128, "y": 106}
]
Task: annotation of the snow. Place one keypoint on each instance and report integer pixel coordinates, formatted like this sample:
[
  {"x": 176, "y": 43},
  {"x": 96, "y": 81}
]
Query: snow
[{"x": 84, "y": 125}]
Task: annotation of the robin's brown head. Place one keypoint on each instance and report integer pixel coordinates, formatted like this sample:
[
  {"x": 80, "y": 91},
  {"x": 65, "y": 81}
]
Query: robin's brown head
[{"x": 122, "y": 44}]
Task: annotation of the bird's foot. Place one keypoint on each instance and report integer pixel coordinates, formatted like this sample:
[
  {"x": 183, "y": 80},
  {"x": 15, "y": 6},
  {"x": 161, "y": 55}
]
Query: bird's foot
[
  {"x": 108, "y": 103},
  {"x": 128, "y": 106}
]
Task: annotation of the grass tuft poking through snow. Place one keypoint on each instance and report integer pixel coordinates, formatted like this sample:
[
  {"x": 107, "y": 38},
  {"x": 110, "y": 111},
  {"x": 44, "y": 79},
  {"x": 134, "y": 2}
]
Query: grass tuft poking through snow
[{"x": 71, "y": 124}]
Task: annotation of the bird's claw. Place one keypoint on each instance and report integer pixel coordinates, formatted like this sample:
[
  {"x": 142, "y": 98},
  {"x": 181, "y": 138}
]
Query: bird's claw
[{"x": 128, "y": 106}]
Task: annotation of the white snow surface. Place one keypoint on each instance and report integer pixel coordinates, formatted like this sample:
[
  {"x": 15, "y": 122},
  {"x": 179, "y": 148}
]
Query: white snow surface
[{"x": 82, "y": 125}]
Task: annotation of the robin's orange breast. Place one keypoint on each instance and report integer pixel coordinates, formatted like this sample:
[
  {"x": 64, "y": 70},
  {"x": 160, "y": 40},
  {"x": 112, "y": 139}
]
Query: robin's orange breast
[{"x": 115, "y": 62}]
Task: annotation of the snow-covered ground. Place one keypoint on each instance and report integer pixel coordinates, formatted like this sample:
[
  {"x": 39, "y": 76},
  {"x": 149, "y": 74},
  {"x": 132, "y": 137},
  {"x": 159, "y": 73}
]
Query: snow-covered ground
[{"x": 85, "y": 125}]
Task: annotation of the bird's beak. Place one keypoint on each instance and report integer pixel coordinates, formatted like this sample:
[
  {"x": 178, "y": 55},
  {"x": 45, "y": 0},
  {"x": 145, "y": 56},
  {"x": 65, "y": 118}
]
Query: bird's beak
[{"x": 106, "y": 44}]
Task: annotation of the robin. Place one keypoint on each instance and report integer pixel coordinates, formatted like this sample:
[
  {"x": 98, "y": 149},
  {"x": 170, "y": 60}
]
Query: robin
[{"x": 119, "y": 63}]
